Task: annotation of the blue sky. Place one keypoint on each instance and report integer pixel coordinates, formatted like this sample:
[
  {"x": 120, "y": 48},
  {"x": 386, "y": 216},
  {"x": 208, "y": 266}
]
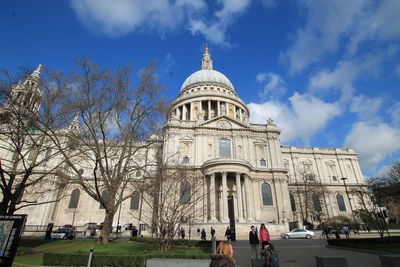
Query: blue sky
[{"x": 327, "y": 72}]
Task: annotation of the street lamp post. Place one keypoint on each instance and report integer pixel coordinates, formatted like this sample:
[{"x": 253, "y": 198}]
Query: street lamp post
[{"x": 351, "y": 206}]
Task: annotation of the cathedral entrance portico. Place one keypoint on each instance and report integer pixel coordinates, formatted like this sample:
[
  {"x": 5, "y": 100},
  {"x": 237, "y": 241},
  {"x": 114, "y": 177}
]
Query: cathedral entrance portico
[{"x": 228, "y": 197}]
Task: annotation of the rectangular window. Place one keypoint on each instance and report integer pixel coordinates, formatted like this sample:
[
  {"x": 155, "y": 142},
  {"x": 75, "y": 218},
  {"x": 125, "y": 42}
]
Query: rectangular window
[{"x": 224, "y": 148}]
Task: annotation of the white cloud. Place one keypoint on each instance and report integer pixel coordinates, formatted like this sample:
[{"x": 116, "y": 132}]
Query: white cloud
[
  {"x": 302, "y": 119},
  {"x": 214, "y": 28},
  {"x": 261, "y": 77},
  {"x": 274, "y": 87},
  {"x": 119, "y": 17},
  {"x": 373, "y": 142},
  {"x": 329, "y": 24},
  {"x": 346, "y": 72},
  {"x": 394, "y": 112},
  {"x": 366, "y": 108}
]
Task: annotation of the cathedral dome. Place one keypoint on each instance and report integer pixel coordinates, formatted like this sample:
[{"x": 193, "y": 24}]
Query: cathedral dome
[{"x": 207, "y": 76}]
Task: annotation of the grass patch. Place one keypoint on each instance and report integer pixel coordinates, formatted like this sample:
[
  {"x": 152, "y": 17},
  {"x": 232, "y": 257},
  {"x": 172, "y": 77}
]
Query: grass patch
[{"x": 114, "y": 248}]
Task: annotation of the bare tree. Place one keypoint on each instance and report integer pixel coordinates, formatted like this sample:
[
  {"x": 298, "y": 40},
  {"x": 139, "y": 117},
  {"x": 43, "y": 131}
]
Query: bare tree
[
  {"x": 30, "y": 108},
  {"x": 112, "y": 133},
  {"x": 369, "y": 213},
  {"x": 172, "y": 199},
  {"x": 311, "y": 197}
]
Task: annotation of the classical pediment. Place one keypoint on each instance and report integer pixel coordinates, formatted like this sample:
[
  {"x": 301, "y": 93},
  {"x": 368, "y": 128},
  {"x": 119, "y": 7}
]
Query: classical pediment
[{"x": 223, "y": 122}]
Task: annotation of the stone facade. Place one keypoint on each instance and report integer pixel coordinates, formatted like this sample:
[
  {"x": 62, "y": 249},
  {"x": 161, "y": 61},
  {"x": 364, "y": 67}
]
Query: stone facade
[{"x": 249, "y": 177}]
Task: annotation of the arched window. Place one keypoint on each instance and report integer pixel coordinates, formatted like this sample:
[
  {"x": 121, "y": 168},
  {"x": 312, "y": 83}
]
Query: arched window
[
  {"x": 185, "y": 160},
  {"x": 334, "y": 178},
  {"x": 263, "y": 162},
  {"x": 135, "y": 201},
  {"x": 104, "y": 196},
  {"x": 185, "y": 192},
  {"x": 138, "y": 173},
  {"x": 74, "y": 200},
  {"x": 266, "y": 194},
  {"x": 292, "y": 202},
  {"x": 340, "y": 202},
  {"x": 316, "y": 202},
  {"x": 224, "y": 148}
]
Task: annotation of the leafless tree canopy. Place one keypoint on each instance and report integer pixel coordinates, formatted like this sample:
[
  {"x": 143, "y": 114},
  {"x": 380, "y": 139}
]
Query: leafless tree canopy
[
  {"x": 25, "y": 145},
  {"x": 171, "y": 200},
  {"x": 113, "y": 134}
]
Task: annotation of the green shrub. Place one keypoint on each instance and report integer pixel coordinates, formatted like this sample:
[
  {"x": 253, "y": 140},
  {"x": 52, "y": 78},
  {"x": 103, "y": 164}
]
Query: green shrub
[{"x": 100, "y": 260}]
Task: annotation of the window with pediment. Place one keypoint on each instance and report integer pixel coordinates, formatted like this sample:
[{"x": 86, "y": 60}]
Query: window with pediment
[
  {"x": 135, "y": 199},
  {"x": 104, "y": 196},
  {"x": 185, "y": 192},
  {"x": 74, "y": 200},
  {"x": 266, "y": 194},
  {"x": 292, "y": 202},
  {"x": 263, "y": 163},
  {"x": 316, "y": 202},
  {"x": 340, "y": 201},
  {"x": 224, "y": 148}
]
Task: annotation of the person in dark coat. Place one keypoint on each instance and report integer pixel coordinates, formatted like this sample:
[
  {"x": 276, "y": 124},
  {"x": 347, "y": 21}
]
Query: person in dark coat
[
  {"x": 212, "y": 232},
  {"x": 224, "y": 256},
  {"x": 203, "y": 235},
  {"x": 228, "y": 234},
  {"x": 253, "y": 239}
]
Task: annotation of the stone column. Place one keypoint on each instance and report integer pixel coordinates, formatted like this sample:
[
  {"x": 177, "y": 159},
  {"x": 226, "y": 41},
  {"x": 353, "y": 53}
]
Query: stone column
[
  {"x": 184, "y": 112},
  {"x": 218, "y": 112},
  {"x": 209, "y": 110},
  {"x": 249, "y": 203},
  {"x": 212, "y": 197},
  {"x": 224, "y": 197},
  {"x": 239, "y": 197},
  {"x": 244, "y": 202}
]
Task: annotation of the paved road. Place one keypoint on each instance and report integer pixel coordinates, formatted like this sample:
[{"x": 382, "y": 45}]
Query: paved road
[{"x": 301, "y": 253}]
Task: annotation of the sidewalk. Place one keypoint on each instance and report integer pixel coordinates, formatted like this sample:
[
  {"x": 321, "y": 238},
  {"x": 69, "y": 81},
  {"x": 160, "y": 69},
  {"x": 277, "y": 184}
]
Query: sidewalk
[{"x": 301, "y": 253}]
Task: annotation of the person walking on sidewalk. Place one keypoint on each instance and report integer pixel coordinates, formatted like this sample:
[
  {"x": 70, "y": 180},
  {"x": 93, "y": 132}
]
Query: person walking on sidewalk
[
  {"x": 203, "y": 235},
  {"x": 264, "y": 236},
  {"x": 228, "y": 234},
  {"x": 346, "y": 231},
  {"x": 253, "y": 239},
  {"x": 212, "y": 232}
]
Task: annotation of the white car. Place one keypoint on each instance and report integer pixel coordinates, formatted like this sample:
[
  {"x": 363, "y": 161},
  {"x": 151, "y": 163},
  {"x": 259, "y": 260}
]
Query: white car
[
  {"x": 63, "y": 233},
  {"x": 298, "y": 233}
]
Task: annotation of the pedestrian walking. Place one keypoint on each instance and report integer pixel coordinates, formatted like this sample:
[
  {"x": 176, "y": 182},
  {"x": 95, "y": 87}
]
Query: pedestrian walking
[
  {"x": 346, "y": 231},
  {"x": 337, "y": 233},
  {"x": 224, "y": 256},
  {"x": 212, "y": 232},
  {"x": 264, "y": 236},
  {"x": 203, "y": 235},
  {"x": 228, "y": 234},
  {"x": 253, "y": 239},
  {"x": 198, "y": 231},
  {"x": 182, "y": 233}
]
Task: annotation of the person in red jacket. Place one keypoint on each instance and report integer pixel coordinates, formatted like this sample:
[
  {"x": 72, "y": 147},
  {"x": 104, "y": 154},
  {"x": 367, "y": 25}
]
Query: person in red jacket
[{"x": 264, "y": 236}]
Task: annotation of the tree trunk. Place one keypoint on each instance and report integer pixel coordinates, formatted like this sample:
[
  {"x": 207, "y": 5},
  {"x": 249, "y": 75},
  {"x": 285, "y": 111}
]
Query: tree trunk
[{"x": 107, "y": 224}]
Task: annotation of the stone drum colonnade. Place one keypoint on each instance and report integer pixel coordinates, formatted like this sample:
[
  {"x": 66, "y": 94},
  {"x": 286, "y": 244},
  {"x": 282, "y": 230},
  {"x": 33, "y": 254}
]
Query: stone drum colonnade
[{"x": 224, "y": 185}]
